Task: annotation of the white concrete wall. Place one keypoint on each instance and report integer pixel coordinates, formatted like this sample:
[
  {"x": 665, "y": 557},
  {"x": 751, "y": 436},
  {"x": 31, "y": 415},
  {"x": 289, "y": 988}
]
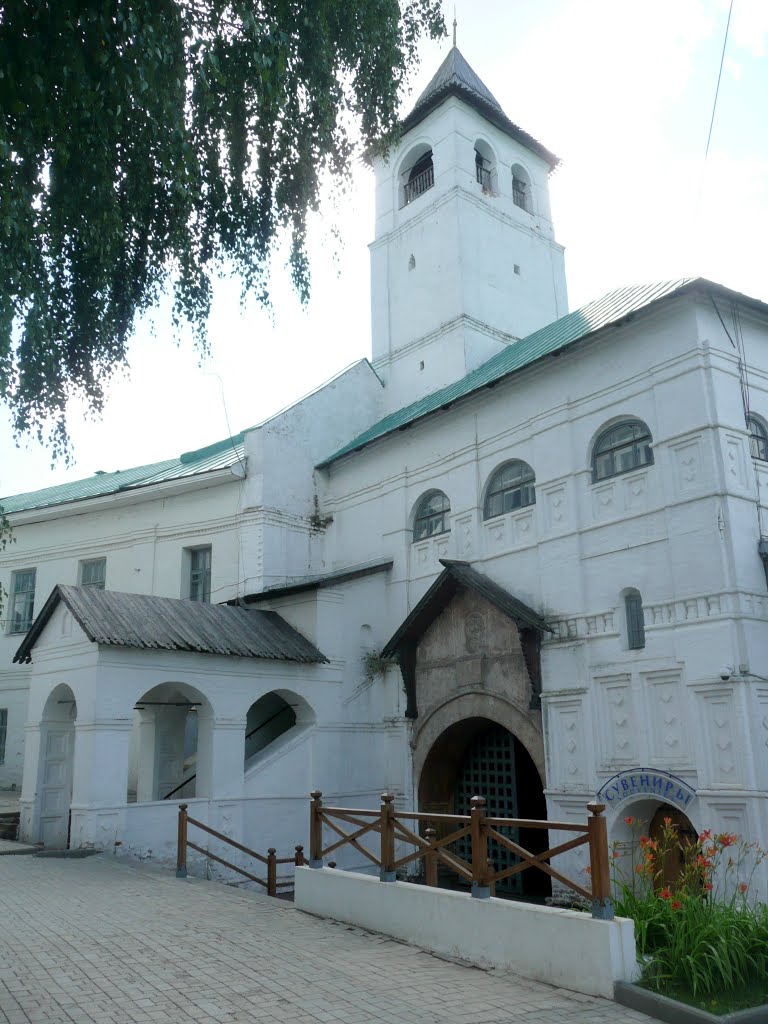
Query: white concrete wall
[{"x": 560, "y": 947}]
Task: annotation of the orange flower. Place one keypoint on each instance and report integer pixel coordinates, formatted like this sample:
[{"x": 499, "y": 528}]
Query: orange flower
[
  {"x": 588, "y": 869},
  {"x": 638, "y": 869},
  {"x": 708, "y": 886},
  {"x": 743, "y": 887},
  {"x": 676, "y": 904},
  {"x": 727, "y": 839},
  {"x": 616, "y": 854},
  {"x": 644, "y": 840},
  {"x": 629, "y": 820},
  {"x": 666, "y": 893},
  {"x": 667, "y": 821},
  {"x": 705, "y": 835}
]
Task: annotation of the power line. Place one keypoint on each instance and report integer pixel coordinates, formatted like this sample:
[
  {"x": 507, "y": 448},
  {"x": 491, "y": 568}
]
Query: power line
[{"x": 717, "y": 87}]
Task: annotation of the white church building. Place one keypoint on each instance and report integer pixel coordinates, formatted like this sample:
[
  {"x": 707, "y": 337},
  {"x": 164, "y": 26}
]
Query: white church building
[{"x": 521, "y": 552}]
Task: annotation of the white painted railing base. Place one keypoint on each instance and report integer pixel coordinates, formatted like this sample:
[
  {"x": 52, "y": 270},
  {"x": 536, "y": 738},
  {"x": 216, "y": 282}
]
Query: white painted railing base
[{"x": 560, "y": 947}]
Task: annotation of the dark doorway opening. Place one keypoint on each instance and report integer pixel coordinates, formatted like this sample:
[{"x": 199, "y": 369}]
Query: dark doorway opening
[{"x": 478, "y": 757}]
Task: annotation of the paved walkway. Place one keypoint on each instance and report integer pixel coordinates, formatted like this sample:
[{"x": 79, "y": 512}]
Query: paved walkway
[{"x": 97, "y": 941}]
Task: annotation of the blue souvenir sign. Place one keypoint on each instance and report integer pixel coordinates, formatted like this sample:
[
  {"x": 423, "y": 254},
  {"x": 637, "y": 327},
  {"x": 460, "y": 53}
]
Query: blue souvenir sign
[{"x": 653, "y": 782}]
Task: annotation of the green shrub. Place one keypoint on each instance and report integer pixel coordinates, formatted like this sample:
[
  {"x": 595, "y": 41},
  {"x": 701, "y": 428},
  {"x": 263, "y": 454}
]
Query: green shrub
[{"x": 699, "y": 934}]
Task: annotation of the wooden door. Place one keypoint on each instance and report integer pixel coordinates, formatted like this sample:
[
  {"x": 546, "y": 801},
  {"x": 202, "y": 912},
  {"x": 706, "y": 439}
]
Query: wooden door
[
  {"x": 489, "y": 770},
  {"x": 56, "y": 789},
  {"x": 675, "y": 860}
]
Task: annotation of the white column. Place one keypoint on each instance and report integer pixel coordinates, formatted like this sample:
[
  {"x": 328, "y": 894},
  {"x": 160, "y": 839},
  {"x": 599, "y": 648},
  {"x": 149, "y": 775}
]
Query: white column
[
  {"x": 220, "y": 757},
  {"x": 145, "y": 781},
  {"x": 29, "y": 784},
  {"x": 100, "y": 782}
]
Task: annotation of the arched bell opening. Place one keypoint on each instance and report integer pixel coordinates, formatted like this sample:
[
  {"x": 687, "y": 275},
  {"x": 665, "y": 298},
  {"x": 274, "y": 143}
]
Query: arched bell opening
[{"x": 479, "y": 757}]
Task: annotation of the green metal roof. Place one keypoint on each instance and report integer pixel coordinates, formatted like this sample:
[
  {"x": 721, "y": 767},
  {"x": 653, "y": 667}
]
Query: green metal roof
[
  {"x": 204, "y": 460},
  {"x": 573, "y": 327}
]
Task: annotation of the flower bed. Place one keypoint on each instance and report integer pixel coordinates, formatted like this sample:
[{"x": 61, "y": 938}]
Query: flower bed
[{"x": 699, "y": 937}]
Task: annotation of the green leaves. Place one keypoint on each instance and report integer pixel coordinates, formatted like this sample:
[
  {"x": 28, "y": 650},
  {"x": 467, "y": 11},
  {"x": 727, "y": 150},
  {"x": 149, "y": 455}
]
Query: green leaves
[{"x": 148, "y": 141}]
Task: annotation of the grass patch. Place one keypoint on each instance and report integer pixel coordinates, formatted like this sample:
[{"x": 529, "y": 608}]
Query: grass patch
[{"x": 754, "y": 993}]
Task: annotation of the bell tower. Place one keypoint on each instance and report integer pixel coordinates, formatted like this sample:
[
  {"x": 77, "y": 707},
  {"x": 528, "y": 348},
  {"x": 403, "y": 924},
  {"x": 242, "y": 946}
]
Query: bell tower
[{"x": 464, "y": 261}]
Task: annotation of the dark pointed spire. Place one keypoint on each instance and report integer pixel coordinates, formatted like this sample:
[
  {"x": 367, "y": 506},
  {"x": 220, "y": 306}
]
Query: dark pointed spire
[{"x": 455, "y": 77}]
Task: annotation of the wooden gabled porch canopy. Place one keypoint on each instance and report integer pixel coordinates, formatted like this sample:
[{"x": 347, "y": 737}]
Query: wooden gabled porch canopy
[{"x": 456, "y": 577}]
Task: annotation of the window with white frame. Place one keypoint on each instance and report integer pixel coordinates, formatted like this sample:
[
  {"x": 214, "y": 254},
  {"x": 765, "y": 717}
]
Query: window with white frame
[
  {"x": 758, "y": 438},
  {"x": 511, "y": 487},
  {"x": 22, "y": 601},
  {"x": 620, "y": 449},
  {"x": 431, "y": 516},
  {"x": 93, "y": 573},
  {"x": 3, "y": 732},
  {"x": 200, "y": 574}
]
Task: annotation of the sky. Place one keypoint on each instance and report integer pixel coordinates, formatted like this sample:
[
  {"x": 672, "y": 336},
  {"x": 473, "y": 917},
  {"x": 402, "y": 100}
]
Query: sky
[{"x": 622, "y": 92}]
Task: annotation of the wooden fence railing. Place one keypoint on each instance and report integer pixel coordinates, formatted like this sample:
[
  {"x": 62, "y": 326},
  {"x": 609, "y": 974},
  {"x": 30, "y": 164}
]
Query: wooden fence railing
[
  {"x": 390, "y": 825},
  {"x": 270, "y": 883}
]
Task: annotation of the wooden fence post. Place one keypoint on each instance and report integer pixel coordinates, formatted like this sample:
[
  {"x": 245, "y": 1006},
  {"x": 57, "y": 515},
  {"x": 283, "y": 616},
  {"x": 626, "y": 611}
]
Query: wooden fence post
[
  {"x": 480, "y": 887},
  {"x": 298, "y": 859},
  {"x": 386, "y": 871},
  {"x": 271, "y": 871},
  {"x": 181, "y": 844},
  {"x": 316, "y": 830},
  {"x": 430, "y": 858},
  {"x": 602, "y": 907}
]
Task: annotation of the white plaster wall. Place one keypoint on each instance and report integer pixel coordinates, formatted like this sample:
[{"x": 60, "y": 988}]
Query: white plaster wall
[
  {"x": 683, "y": 531},
  {"x": 142, "y": 534},
  {"x": 560, "y": 947},
  {"x": 462, "y": 301}
]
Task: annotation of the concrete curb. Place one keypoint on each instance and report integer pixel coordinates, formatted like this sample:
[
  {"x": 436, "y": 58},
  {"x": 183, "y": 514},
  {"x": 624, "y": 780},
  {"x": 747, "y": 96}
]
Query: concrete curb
[
  {"x": 669, "y": 1010},
  {"x": 67, "y": 854}
]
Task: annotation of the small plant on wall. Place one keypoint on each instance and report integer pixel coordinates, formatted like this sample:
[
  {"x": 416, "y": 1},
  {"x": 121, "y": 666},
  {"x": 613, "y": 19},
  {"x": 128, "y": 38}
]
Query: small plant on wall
[{"x": 374, "y": 665}]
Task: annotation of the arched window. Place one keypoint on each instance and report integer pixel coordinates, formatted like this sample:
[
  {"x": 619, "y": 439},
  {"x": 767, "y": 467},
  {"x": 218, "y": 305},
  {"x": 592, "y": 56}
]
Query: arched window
[
  {"x": 511, "y": 487},
  {"x": 521, "y": 188},
  {"x": 758, "y": 438},
  {"x": 431, "y": 516},
  {"x": 485, "y": 171},
  {"x": 620, "y": 449},
  {"x": 633, "y": 614},
  {"x": 418, "y": 176}
]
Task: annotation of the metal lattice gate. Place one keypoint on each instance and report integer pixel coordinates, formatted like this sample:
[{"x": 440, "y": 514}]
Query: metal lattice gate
[{"x": 489, "y": 771}]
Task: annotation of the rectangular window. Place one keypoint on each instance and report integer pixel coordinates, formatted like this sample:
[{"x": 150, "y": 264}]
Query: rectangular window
[
  {"x": 22, "y": 600},
  {"x": 93, "y": 573},
  {"x": 200, "y": 574},
  {"x": 633, "y": 604},
  {"x": 3, "y": 731}
]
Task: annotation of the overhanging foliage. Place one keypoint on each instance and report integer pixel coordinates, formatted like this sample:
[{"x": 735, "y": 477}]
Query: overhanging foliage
[{"x": 148, "y": 139}]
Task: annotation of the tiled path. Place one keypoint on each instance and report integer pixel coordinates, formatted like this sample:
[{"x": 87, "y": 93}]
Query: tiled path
[{"x": 99, "y": 942}]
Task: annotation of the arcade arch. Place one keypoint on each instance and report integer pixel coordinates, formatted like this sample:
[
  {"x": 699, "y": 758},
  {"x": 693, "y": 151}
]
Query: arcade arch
[{"x": 170, "y": 745}]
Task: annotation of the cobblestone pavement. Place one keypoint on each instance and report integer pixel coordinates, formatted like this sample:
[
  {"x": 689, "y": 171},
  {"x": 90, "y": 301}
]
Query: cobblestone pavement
[{"x": 102, "y": 942}]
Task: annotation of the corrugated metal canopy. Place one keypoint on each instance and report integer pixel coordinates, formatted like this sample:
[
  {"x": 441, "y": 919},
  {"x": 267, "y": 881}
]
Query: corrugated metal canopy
[
  {"x": 556, "y": 336},
  {"x": 171, "y": 624}
]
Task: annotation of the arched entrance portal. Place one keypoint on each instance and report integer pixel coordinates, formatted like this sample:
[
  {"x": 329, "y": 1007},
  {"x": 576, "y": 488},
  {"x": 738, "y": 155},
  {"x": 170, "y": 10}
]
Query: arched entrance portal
[
  {"x": 57, "y": 755},
  {"x": 478, "y": 757}
]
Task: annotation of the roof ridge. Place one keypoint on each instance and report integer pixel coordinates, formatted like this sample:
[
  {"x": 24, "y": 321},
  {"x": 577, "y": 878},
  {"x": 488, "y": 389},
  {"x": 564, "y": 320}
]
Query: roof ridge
[{"x": 574, "y": 326}]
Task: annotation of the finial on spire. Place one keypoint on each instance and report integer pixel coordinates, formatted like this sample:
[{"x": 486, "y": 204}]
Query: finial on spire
[{"x": 454, "y": 24}]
